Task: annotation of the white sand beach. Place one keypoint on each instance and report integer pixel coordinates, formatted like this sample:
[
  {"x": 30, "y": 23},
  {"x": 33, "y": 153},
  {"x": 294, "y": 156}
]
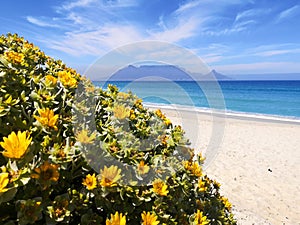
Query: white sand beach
[{"x": 257, "y": 162}]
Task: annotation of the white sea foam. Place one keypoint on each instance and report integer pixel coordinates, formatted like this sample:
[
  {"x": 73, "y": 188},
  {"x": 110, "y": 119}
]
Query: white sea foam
[{"x": 226, "y": 113}]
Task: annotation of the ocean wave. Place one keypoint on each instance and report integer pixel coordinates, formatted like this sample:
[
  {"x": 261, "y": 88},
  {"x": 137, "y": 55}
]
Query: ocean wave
[{"x": 226, "y": 113}]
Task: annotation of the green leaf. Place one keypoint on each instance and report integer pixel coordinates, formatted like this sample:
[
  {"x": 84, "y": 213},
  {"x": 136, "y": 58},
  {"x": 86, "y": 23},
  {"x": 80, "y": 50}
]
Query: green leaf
[{"x": 8, "y": 195}]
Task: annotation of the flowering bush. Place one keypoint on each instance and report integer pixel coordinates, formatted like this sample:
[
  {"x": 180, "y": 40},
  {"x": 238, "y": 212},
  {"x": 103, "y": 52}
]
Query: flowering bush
[{"x": 73, "y": 153}]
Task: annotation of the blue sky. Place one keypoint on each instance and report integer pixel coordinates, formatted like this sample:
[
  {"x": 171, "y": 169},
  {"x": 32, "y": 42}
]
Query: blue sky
[{"x": 231, "y": 36}]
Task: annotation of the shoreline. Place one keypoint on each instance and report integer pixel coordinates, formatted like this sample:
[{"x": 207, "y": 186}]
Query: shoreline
[
  {"x": 228, "y": 113},
  {"x": 256, "y": 160}
]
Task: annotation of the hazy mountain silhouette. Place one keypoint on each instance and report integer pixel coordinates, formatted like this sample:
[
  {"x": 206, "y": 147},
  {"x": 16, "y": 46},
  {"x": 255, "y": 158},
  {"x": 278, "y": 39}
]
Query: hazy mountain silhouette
[
  {"x": 161, "y": 72},
  {"x": 214, "y": 75}
]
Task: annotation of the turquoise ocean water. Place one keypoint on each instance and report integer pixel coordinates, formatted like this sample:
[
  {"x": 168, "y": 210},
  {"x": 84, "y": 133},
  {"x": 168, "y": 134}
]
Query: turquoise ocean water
[{"x": 265, "y": 98}]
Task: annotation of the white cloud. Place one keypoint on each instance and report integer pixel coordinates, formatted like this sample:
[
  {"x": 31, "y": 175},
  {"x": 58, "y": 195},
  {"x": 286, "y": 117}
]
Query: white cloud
[
  {"x": 214, "y": 19},
  {"x": 183, "y": 30},
  {"x": 259, "y": 67},
  {"x": 100, "y": 3},
  {"x": 252, "y": 14},
  {"x": 206, "y": 6},
  {"x": 273, "y": 50},
  {"x": 78, "y": 3},
  {"x": 96, "y": 42},
  {"x": 41, "y": 23},
  {"x": 187, "y": 6},
  {"x": 76, "y": 19},
  {"x": 87, "y": 35},
  {"x": 278, "y": 52},
  {"x": 245, "y": 14},
  {"x": 288, "y": 13},
  {"x": 212, "y": 58},
  {"x": 213, "y": 53},
  {"x": 235, "y": 28},
  {"x": 94, "y": 27},
  {"x": 243, "y": 25},
  {"x": 123, "y": 3}
]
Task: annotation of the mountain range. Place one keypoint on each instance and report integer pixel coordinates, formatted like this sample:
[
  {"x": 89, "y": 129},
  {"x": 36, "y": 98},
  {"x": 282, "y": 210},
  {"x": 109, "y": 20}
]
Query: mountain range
[
  {"x": 162, "y": 72},
  {"x": 175, "y": 73}
]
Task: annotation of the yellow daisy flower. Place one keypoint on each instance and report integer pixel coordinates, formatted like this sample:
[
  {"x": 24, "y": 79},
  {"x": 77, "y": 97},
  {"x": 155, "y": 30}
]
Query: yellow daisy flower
[
  {"x": 123, "y": 95},
  {"x": 14, "y": 57},
  {"x": 117, "y": 219},
  {"x": 67, "y": 79},
  {"x": 49, "y": 79},
  {"x": 217, "y": 185},
  {"x": 46, "y": 173},
  {"x": 167, "y": 122},
  {"x": 110, "y": 176},
  {"x": 90, "y": 89},
  {"x": 132, "y": 115},
  {"x": 121, "y": 112},
  {"x": 90, "y": 182},
  {"x": 143, "y": 168},
  {"x": 149, "y": 219},
  {"x": 4, "y": 180},
  {"x": 28, "y": 45},
  {"x": 2, "y": 108},
  {"x": 226, "y": 203},
  {"x": 15, "y": 145},
  {"x": 83, "y": 137},
  {"x": 200, "y": 219},
  {"x": 160, "y": 114},
  {"x": 193, "y": 167},
  {"x": 202, "y": 185},
  {"x": 47, "y": 118},
  {"x": 159, "y": 187}
]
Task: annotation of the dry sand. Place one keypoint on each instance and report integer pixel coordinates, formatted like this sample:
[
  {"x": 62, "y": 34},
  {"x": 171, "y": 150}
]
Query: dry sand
[{"x": 256, "y": 161}]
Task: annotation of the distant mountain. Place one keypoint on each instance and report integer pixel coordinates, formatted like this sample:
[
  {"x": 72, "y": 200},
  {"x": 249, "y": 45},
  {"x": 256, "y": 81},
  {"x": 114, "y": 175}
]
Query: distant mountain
[
  {"x": 162, "y": 72},
  {"x": 214, "y": 75},
  {"x": 150, "y": 72}
]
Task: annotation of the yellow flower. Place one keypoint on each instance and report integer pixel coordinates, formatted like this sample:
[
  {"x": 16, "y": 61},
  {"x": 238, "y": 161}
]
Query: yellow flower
[
  {"x": 110, "y": 176},
  {"x": 28, "y": 45},
  {"x": 160, "y": 114},
  {"x": 83, "y": 137},
  {"x": 67, "y": 79},
  {"x": 160, "y": 188},
  {"x": 202, "y": 185},
  {"x": 121, "y": 112},
  {"x": 123, "y": 95},
  {"x": 201, "y": 158},
  {"x": 14, "y": 57},
  {"x": 90, "y": 88},
  {"x": 90, "y": 182},
  {"x": 226, "y": 203},
  {"x": 49, "y": 79},
  {"x": 143, "y": 168},
  {"x": 4, "y": 180},
  {"x": 2, "y": 108},
  {"x": 193, "y": 167},
  {"x": 149, "y": 219},
  {"x": 167, "y": 122},
  {"x": 200, "y": 219},
  {"x": 47, "y": 118},
  {"x": 217, "y": 185},
  {"x": 132, "y": 114},
  {"x": 15, "y": 145},
  {"x": 117, "y": 219},
  {"x": 163, "y": 139},
  {"x": 46, "y": 172},
  {"x": 114, "y": 148}
]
